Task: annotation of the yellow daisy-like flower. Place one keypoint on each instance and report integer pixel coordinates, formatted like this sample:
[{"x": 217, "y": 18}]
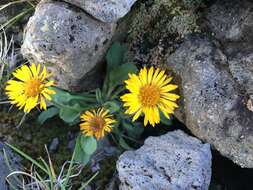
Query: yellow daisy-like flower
[
  {"x": 96, "y": 122},
  {"x": 150, "y": 94},
  {"x": 29, "y": 88}
]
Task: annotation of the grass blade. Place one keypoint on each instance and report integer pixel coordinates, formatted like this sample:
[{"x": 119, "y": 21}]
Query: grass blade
[{"x": 27, "y": 157}]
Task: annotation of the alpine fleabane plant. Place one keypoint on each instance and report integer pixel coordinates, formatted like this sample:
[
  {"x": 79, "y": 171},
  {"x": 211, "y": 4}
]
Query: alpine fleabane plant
[
  {"x": 150, "y": 94},
  {"x": 29, "y": 88},
  {"x": 96, "y": 123}
]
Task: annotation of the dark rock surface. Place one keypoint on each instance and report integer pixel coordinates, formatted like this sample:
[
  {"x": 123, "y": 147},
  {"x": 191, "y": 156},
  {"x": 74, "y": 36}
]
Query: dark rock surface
[
  {"x": 231, "y": 22},
  {"x": 213, "y": 104},
  {"x": 4, "y": 170}
]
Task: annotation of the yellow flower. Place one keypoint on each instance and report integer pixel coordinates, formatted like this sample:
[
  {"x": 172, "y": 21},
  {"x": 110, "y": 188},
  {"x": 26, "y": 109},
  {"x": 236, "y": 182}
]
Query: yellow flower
[
  {"x": 29, "y": 88},
  {"x": 150, "y": 94},
  {"x": 96, "y": 122}
]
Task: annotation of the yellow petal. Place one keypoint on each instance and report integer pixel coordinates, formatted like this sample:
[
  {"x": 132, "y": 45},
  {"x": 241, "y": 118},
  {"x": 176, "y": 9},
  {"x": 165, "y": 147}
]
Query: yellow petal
[
  {"x": 137, "y": 115},
  {"x": 43, "y": 103},
  {"x": 150, "y": 74}
]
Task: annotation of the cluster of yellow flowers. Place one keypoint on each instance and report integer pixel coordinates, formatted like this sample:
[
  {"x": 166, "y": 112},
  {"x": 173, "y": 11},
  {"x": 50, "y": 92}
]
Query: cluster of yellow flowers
[{"x": 149, "y": 94}]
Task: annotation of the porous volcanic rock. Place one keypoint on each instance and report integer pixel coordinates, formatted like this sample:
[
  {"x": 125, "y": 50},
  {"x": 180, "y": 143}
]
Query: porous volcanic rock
[{"x": 173, "y": 161}]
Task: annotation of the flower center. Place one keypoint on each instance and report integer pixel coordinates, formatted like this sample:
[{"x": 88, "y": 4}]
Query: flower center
[
  {"x": 97, "y": 123},
  {"x": 32, "y": 88},
  {"x": 149, "y": 95}
]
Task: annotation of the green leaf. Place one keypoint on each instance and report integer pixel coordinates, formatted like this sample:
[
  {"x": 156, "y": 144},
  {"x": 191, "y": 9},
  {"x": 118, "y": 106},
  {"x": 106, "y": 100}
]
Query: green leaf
[
  {"x": 27, "y": 157},
  {"x": 63, "y": 98},
  {"x": 80, "y": 155},
  {"x": 45, "y": 115},
  {"x": 60, "y": 96},
  {"x": 134, "y": 130},
  {"x": 124, "y": 144},
  {"x": 98, "y": 95},
  {"x": 89, "y": 144},
  {"x": 112, "y": 106},
  {"x": 115, "y": 55},
  {"x": 120, "y": 73},
  {"x": 69, "y": 115}
]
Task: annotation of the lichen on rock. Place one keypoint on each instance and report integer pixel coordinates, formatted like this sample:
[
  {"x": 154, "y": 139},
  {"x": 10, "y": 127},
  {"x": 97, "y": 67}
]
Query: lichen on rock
[
  {"x": 160, "y": 23},
  {"x": 67, "y": 40}
]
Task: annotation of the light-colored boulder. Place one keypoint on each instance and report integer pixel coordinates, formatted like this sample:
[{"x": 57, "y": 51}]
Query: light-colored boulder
[
  {"x": 105, "y": 10},
  {"x": 67, "y": 40},
  {"x": 174, "y": 161}
]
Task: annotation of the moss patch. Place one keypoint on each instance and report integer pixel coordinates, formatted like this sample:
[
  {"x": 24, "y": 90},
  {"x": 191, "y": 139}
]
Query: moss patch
[
  {"x": 32, "y": 138},
  {"x": 159, "y": 25}
]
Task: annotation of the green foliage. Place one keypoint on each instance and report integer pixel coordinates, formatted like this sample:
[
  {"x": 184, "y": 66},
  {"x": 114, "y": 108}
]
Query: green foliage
[
  {"x": 85, "y": 147},
  {"x": 70, "y": 106},
  {"x": 115, "y": 55},
  {"x": 49, "y": 113},
  {"x": 24, "y": 8},
  {"x": 43, "y": 175},
  {"x": 113, "y": 106},
  {"x": 116, "y": 71}
]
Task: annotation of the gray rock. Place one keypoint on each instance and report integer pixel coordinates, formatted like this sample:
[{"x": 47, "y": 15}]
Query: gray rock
[
  {"x": 4, "y": 172},
  {"x": 70, "y": 42},
  {"x": 88, "y": 188},
  {"x": 174, "y": 161},
  {"x": 105, "y": 10},
  {"x": 241, "y": 67},
  {"x": 15, "y": 164},
  {"x": 71, "y": 145},
  {"x": 104, "y": 149},
  {"x": 231, "y": 22},
  {"x": 213, "y": 103},
  {"x": 54, "y": 145}
]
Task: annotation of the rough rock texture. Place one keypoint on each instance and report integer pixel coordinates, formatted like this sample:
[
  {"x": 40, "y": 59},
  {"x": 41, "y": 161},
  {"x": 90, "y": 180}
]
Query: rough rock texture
[
  {"x": 4, "y": 170},
  {"x": 231, "y": 21},
  {"x": 241, "y": 67},
  {"x": 105, "y": 10},
  {"x": 174, "y": 161},
  {"x": 68, "y": 40},
  {"x": 213, "y": 104}
]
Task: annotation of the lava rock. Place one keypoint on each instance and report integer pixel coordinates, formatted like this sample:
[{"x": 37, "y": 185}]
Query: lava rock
[
  {"x": 212, "y": 102},
  {"x": 105, "y": 10},
  {"x": 69, "y": 41},
  {"x": 173, "y": 161}
]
